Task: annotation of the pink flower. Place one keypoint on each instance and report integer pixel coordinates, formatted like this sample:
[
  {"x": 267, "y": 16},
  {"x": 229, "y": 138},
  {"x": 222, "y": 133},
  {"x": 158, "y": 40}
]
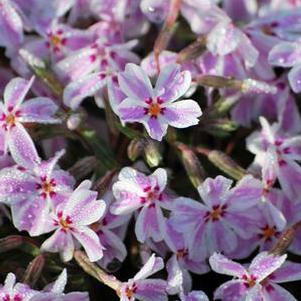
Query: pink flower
[
  {"x": 33, "y": 192},
  {"x": 89, "y": 68},
  {"x": 71, "y": 220},
  {"x": 277, "y": 152},
  {"x": 135, "y": 191},
  {"x": 225, "y": 216},
  {"x": 144, "y": 289},
  {"x": 155, "y": 107},
  {"x": 180, "y": 263},
  {"x": 14, "y": 111},
  {"x": 258, "y": 281}
]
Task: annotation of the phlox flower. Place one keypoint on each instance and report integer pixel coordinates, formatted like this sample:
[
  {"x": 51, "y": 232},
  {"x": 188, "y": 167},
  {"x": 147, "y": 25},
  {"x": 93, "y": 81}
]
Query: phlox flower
[
  {"x": 134, "y": 191},
  {"x": 277, "y": 152},
  {"x": 156, "y": 108},
  {"x": 258, "y": 281},
  {"x": 180, "y": 263},
  {"x": 32, "y": 192},
  {"x": 71, "y": 220},
  {"x": 140, "y": 288},
  {"x": 14, "y": 112},
  {"x": 225, "y": 216}
]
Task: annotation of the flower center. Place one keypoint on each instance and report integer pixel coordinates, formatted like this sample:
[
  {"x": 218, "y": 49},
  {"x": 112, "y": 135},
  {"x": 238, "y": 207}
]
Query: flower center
[
  {"x": 268, "y": 232},
  {"x": 218, "y": 211},
  {"x": 55, "y": 40},
  {"x": 249, "y": 281},
  {"x": 152, "y": 195},
  {"x": 154, "y": 107},
  {"x": 47, "y": 187},
  {"x": 64, "y": 223},
  {"x": 182, "y": 253},
  {"x": 130, "y": 291},
  {"x": 9, "y": 120}
]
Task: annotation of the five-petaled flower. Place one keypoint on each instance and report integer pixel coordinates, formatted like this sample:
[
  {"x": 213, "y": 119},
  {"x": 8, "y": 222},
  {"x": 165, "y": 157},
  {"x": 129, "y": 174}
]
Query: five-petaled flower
[
  {"x": 155, "y": 107},
  {"x": 140, "y": 288},
  {"x": 14, "y": 111},
  {"x": 134, "y": 191},
  {"x": 258, "y": 281},
  {"x": 71, "y": 220}
]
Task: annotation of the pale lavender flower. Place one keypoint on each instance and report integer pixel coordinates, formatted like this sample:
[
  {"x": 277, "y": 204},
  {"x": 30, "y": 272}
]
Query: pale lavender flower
[
  {"x": 278, "y": 152},
  {"x": 226, "y": 216},
  {"x": 89, "y": 68},
  {"x": 180, "y": 262},
  {"x": 15, "y": 291},
  {"x": 14, "y": 111},
  {"x": 71, "y": 220},
  {"x": 135, "y": 191},
  {"x": 258, "y": 281},
  {"x": 57, "y": 41},
  {"x": 140, "y": 288},
  {"x": 156, "y": 108},
  {"x": 33, "y": 192}
]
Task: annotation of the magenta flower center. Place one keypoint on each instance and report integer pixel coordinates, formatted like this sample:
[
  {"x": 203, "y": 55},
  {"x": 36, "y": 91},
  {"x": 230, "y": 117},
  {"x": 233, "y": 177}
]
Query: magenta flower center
[
  {"x": 155, "y": 107},
  {"x": 9, "y": 120},
  {"x": 64, "y": 222},
  {"x": 217, "y": 212},
  {"x": 152, "y": 194},
  {"x": 47, "y": 187},
  {"x": 56, "y": 40},
  {"x": 249, "y": 281}
]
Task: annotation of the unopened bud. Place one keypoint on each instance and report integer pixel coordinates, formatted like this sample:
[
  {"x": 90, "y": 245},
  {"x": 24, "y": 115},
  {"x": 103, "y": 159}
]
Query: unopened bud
[
  {"x": 135, "y": 148},
  {"x": 34, "y": 270},
  {"x": 226, "y": 164},
  {"x": 193, "y": 50},
  {"x": 10, "y": 242},
  {"x": 152, "y": 154},
  {"x": 219, "y": 127},
  {"x": 192, "y": 165},
  {"x": 74, "y": 121}
]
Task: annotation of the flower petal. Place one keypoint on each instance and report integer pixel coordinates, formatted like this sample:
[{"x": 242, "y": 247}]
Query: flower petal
[
  {"x": 285, "y": 54},
  {"x": 265, "y": 264},
  {"x": 156, "y": 128},
  {"x": 182, "y": 114},
  {"x": 222, "y": 265},
  {"x": 60, "y": 241},
  {"x": 172, "y": 83},
  {"x": 294, "y": 78},
  {"x": 289, "y": 271},
  {"x": 90, "y": 241},
  {"x": 278, "y": 293},
  {"x": 152, "y": 266},
  {"x": 22, "y": 147},
  {"x": 78, "y": 90},
  {"x": 151, "y": 289},
  {"x": 16, "y": 90},
  {"x": 135, "y": 83},
  {"x": 40, "y": 110}
]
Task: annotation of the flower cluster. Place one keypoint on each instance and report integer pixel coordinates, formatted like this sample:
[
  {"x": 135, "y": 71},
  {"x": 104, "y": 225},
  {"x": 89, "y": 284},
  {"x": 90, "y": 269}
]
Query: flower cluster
[{"x": 188, "y": 162}]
